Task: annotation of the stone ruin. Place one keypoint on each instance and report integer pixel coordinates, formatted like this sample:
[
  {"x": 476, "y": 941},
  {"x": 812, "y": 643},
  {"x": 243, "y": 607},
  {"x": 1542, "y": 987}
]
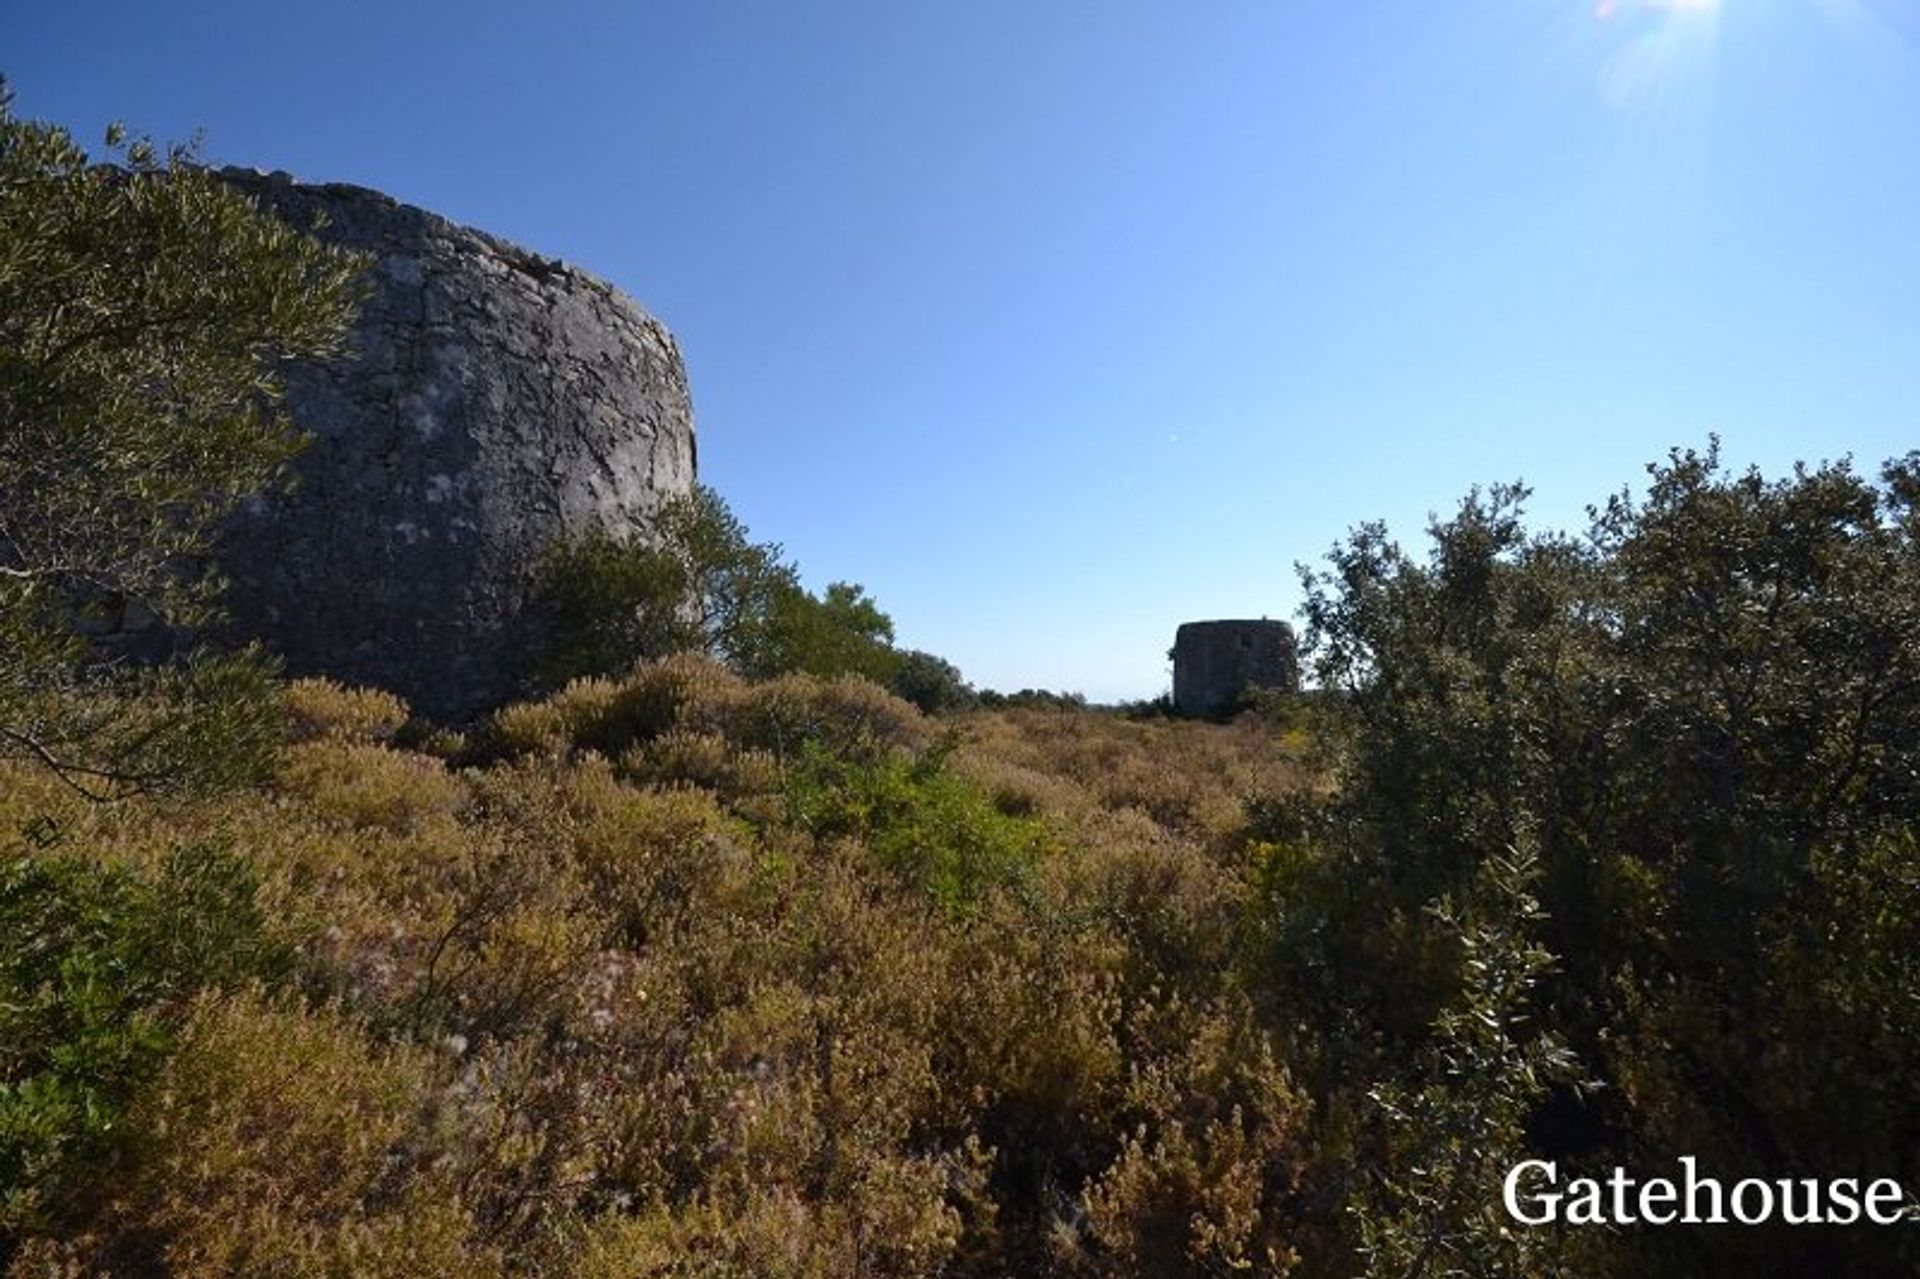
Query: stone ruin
[
  {"x": 1216, "y": 663},
  {"x": 491, "y": 401}
]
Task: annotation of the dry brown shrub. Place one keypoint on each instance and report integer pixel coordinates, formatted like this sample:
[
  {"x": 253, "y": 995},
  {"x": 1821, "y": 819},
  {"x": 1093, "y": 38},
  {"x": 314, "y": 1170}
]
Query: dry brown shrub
[
  {"x": 1032, "y": 1038},
  {"x": 528, "y": 728},
  {"x": 705, "y": 758},
  {"x": 357, "y": 786},
  {"x": 554, "y": 725},
  {"x": 694, "y": 700},
  {"x": 1216, "y": 1128},
  {"x": 322, "y": 708},
  {"x": 810, "y": 1069},
  {"x": 652, "y": 855},
  {"x": 687, "y": 691},
  {"x": 1019, "y": 790},
  {"x": 696, "y": 758},
  {"x": 1190, "y": 777},
  {"x": 445, "y": 744},
  {"x": 658, "y": 1027},
  {"x": 899, "y": 1230},
  {"x": 1176, "y": 909},
  {"x": 510, "y": 954},
  {"x": 37, "y": 812},
  {"x": 278, "y": 1141},
  {"x": 850, "y": 717}
]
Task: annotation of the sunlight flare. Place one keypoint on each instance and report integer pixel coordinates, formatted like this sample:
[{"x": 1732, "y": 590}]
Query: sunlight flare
[
  {"x": 1666, "y": 49},
  {"x": 1608, "y": 9}
]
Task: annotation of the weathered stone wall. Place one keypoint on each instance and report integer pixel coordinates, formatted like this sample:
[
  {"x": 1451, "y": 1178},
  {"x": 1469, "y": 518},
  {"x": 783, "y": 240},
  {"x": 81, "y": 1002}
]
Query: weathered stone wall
[
  {"x": 492, "y": 400},
  {"x": 1215, "y": 663}
]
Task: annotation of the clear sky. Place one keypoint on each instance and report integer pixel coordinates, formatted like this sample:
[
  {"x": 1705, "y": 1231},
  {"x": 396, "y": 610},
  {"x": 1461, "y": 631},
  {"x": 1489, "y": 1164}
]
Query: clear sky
[{"x": 1057, "y": 323}]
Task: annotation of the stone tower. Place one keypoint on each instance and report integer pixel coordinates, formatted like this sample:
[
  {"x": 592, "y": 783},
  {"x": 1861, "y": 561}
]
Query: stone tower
[
  {"x": 1215, "y": 663},
  {"x": 491, "y": 400}
]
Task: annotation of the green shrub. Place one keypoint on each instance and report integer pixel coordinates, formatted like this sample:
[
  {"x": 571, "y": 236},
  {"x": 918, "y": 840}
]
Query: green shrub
[
  {"x": 920, "y": 820},
  {"x": 691, "y": 581},
  {"x": 1704, "y": 713},
  {"x": 931, "y": 683},
  {"x": 146, "y": 307},
  {"x": 95, "y": 964},
  {"x": 606, "y": 602},
  {"x": 840, "y": 633}
]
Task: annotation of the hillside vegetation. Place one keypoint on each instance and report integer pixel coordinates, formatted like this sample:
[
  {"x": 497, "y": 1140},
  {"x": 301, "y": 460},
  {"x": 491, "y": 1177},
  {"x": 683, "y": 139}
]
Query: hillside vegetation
[
  {"x": 692, "y": 975},
  {"x": 1599, "y": 851}
]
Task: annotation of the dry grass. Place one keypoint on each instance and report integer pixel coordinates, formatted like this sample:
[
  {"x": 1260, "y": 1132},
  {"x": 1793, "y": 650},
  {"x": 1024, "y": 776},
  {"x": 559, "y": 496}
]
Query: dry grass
[{"x": 604, "y": 1000}]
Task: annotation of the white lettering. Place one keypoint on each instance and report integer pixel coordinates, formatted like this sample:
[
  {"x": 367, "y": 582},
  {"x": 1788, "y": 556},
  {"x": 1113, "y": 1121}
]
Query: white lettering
[
  {"x": 1620, "y": 1184},
  {"x": 1534, "y": 1195},
  {"x": 1887, "y": 1192},
  {"x": 1845, "y": 1194},
  {"x": 1584, "y": 1203},
  {"x": 1740, "y": 1189},
  {"x": 1695, "y": 1184},
  {"x": 1659, "y": 1190},
  {"x": 1808, "y": 1214},
  {"x": 1510, "y": 1193}
]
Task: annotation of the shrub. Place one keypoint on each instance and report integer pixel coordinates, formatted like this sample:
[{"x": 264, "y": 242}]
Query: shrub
[
  {"x": 702, "y": 976},
  {"x": 932, "y": 684},
  {"x": 687, "y": 692},
  {"x": 847, "y": 717},
  {"x": 682, "y": 756},
  {"x": 919, "y": 820},
  {"x": 695, "y": 697},
  {"x": 606, "y": 602},
  {"x": 1200, "y": 1181},
  {"x": 1462, "y": 1123},
  {"x": 840, "y": 633},
  {"x": 95, "y": 964},
  {"x": 360, "y": 786},
  {"x": 528, "y": 728},
  {"x": 691, "y": 581},
  {"x": 280, "y": 1142},
  {"x": 1695, "y": 709},
  {"x": 643, "y": 853},
  {"x": 320, "y": 708}
]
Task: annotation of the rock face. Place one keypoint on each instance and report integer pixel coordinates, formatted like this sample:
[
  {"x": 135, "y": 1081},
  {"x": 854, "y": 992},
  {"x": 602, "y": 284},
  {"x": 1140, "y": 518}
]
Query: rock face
[
  {"x": 1215, "y": 663},
  {"x": 491, "y": 400}
]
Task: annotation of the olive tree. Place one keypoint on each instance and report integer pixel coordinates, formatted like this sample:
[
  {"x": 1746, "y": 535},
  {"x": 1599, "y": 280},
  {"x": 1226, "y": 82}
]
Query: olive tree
[
  {"x": 693, "y": 580},
  {"x": 145, "y": 308},
  {"x": 1704, "y": 714}
]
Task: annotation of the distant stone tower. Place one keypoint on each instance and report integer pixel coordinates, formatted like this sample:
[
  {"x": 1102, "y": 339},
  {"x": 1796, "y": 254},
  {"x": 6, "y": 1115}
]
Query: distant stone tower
[
  {"x": 1215, "y": 663},
  {"x": 492, "y": 399}
]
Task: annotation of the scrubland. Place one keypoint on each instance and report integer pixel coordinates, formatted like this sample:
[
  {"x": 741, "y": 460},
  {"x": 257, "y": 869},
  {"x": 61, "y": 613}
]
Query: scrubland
[
  {"x": 1599, "y": 851},
  {"x": 681, "y": 974}
]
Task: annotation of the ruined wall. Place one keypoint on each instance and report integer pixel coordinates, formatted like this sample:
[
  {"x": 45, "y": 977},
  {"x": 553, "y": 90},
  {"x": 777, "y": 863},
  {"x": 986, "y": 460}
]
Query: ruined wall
[
  {"x": 492, "y": 399},
  {"x": 1214, "y": 663}
]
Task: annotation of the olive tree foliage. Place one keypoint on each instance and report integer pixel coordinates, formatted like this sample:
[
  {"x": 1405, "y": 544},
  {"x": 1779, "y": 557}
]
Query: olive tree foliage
[
  {"x": 839, "y": 632},
  {"x": 1459, "y": 1123},
  {"x": 144, "y": 310},
  {"x": 693, "y": 580},
  {"x": 931, "y": 683},
  {"x": 1704, "y": 714},
  {"x": 606, "y": 601}
]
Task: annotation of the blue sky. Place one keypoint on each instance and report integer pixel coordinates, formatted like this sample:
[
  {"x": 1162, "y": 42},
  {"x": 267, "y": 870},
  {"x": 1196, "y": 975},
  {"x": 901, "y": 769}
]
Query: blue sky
[{"x": 1058, "y": 323}]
